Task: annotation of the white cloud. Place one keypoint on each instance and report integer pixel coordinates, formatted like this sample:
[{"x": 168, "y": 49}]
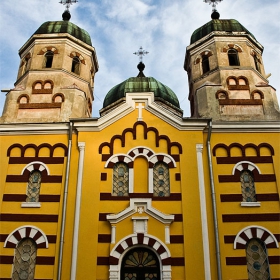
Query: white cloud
[{"x": 124, "y": 11}]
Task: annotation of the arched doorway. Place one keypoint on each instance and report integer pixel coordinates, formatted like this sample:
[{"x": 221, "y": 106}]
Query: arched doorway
[{"x": 140, "y": 264}]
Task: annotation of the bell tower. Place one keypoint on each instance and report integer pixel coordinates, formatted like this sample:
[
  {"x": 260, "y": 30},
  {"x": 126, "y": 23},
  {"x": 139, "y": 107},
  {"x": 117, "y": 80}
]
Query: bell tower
[
  {"x": 56, "y": 75},
  {"x": 227, "y": 79}
]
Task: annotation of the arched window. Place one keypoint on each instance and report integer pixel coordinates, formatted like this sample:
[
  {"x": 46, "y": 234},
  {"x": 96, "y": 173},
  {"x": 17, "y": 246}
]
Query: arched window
[
  {"x": 233, "y": 57},
  {"x": 120, "y": 179},
  {"x": 76, "y": 65},
  {"x": 257, "y": 260},
  {"x": 161, "y": 179},
  {"x": 34, "y": 185},
  {"x": 140, "y": 263},
  {"x": 247, "y": 186},
  {"x": 48, "y": 59},
  {"x": 257, "y": 65},
  {"x": 26, "y": 64},
  {"x": 25, "y": 260},
  {"x": 205, "y": 64}
]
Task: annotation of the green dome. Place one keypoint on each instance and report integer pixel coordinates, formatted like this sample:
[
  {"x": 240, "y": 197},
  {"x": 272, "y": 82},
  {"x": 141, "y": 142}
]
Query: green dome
[
  {"x": 51, "y": 27},
  {"x": 141, "y": 84},
  {"x": 227, "y": 25}
]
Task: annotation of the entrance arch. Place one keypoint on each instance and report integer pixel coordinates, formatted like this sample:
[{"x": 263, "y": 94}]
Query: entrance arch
[
  {"x": 143, "y": 241},
  {"x": 140, "y": 263}
]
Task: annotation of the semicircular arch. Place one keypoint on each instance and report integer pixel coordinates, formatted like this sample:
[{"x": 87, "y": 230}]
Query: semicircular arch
[
  {"x": 247, "y": 233},
  {"x": 27, "y": 231}
]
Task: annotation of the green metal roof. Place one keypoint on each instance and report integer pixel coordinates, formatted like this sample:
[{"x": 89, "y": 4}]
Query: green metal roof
[
  {"x": 141, "y": 84},
  {"x": 51, "y": 27},
  {"x": 228, "y": 25}
]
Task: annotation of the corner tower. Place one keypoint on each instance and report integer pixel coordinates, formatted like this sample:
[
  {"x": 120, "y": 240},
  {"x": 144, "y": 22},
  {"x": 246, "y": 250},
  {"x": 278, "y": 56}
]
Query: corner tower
[
  {"x": 55, "y": 77},
  {"x": 227, "y": 79}
]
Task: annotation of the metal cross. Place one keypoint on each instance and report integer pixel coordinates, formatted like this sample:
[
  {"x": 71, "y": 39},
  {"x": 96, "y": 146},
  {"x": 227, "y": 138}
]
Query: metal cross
[
  {"x": 68, "y": 3},
  {"x": 213, "y": 2},
  {"x": 141, "y": 53}
]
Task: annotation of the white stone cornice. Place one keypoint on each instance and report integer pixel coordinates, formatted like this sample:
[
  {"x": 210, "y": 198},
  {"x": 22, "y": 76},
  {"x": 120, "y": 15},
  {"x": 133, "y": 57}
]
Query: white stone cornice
[
  {"x": 146, "y": 204},
  {"x": 34, "y": 128},
  {"x": 253, "y": 126}
]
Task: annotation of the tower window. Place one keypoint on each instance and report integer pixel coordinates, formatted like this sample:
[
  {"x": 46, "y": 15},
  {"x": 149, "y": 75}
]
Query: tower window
[
  {"x": 120, "y": 179},
  {"x": 257, "y": 65},
  {"x": 26, "y": 64},
  {"x": 161, "y": 179},
  {"x": 257, "y": 260},
  {"x": 247, "y": 186},
  {"x": 205, "y": 64},
  {"x": 76, "y": 65},
  {"x": 48, "y": 59},
  {"x": 233, "y": 57}
]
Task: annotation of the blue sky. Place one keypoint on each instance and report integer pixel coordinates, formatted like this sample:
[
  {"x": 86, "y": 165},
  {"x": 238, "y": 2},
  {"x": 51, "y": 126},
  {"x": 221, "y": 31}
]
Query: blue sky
[{"x": 119, "y": 27}]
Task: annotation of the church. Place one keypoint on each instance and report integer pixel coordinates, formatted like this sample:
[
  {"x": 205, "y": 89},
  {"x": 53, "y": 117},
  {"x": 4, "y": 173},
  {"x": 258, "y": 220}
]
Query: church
[{"x": 140, "y": 192}]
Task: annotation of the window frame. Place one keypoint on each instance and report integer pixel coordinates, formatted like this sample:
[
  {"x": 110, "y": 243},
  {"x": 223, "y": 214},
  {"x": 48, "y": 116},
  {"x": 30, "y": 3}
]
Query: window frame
[
  {"x": 257, "y": 64},
  {"x": 248, "y": 188},
  {"x": 48, "y": 62},
  {"x": 124, "y": 180},
  {"x": 140, "y": 269},
  {"x": 233, "y": 57},
  {"x": 24, "y": 256},
  {"x": 76, "y": 65},
  {"x": 205, "y": 64},
  {"x": 158, "y": 177},
  {"x": 251, "y": 257},
  {"x": 30, "y": 191}
]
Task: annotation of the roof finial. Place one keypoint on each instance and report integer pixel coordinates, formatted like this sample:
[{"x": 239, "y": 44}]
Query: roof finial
[
  {"x": 141, "y": 53},
  {"x": 66, "y": 15},
  {"x": 141, "y": 65},
  {"x": 215, "y": 14}
]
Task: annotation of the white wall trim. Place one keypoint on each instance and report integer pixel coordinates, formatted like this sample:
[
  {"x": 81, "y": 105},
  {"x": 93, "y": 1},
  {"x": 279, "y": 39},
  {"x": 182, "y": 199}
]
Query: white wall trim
[
  {"x": 250, "y": 204},
  {"x": 203, "y": 211},
  {"x": 114, "y": 158},
  {"x": 260, "y": 231},
  {"x": 30, "y": 204},
  {"x": 81, "y": 146},
  {"x": 251, "y": 166},
  {"x": 30, "y": 167}
]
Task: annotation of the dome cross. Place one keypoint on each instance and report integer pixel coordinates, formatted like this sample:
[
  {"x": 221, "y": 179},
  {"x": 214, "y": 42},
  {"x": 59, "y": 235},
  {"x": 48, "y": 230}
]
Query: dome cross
[
  {"x": 68, "y": 3},
  {"x": 141, "y": 53},
  {"x": 213, "y": 2}
]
